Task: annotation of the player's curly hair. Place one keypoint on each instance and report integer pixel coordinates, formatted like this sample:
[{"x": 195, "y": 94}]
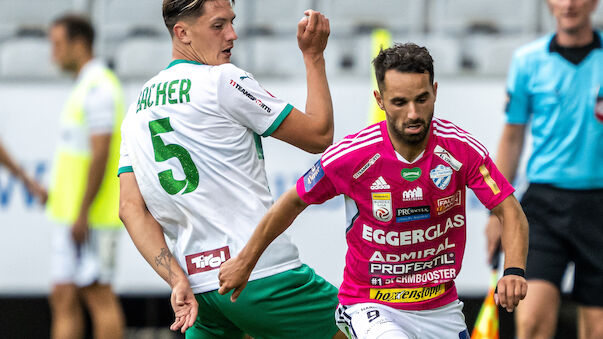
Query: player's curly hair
[
  {"x": 174, "y": 10},
  {"x": 405, "y": 58}
]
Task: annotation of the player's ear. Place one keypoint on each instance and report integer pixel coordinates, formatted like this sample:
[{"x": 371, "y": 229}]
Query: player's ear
[
  {"x": 181, "y": 31},
  {"x": 379, "y": 99},
  {"x": 435, "y": 89}
]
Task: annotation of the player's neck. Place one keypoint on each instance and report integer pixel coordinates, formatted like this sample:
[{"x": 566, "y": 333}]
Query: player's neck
[
  {"x": 83, "y": 60},
  {"x": 410, "y": 152},
  {"x": 578, "y": 38}
]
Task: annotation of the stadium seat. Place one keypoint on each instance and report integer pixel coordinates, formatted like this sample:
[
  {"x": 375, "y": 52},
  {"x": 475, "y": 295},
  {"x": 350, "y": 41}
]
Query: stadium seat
[
  {"x": 27, "y": 59},
  {"x": 262, "y": 17},
  {"x": 16, "y": 14},
  {"x": 493, "y": 16},
  {"x": 117, "y": 19},
  {"x": 491, "y": 55},
  {"x": 445, "y": 51},
  {"x": 143, "y": 57},
  {"x": 277, "y": 56},
  {"x": 351, "y": 16}
]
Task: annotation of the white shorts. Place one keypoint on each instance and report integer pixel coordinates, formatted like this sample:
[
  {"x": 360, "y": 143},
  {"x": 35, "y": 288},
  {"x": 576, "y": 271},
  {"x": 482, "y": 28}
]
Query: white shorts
[
  {"x": 376, "y": 321},
  {"x": 93, "y": 262}
]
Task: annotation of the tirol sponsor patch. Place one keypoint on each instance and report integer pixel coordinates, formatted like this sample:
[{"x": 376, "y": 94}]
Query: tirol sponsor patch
[
  {"x": 406, "y": 295},
  {"x": 441, "y": 176},
  {"x": 313, "y": 176},
  {"x": 415, "y": 194},
  {"x": 411, "y": 174},
  {"x": 446, "y": 156},
  {"x": 382, "y": 206},
  {"x": 445, "y": 204},
  {"x": 366, "y": 166},
  {"x": 206, "y": 261},
  {"x": 412, "y": 213}
]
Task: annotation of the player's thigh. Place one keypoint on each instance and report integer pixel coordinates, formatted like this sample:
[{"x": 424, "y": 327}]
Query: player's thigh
[
  {"x": 537, "y": 313},
  {"x": 296, "y": 303},
  {"x": 549, "y": 250},
  {"x": 211, "y": 323},
  {"x": 447, "y": 321},
  {"x": 590, "y": 322},
  {"x": 374, "y": 321}
]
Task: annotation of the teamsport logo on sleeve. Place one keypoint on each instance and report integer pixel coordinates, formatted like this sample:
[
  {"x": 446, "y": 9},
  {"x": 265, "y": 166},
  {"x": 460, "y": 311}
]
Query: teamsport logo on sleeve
[
  {"x": 313, "y": 176},
  {"x": 445, "y": 204},
  {"x": 366, "y": 166},
  {"x": 206, "y": 261},
  {"x": 446, "y": 156},
  {"x": 441, "y": 176},
  {"x": 382, "y": 206},
  {"x": 250, "y": 96}
]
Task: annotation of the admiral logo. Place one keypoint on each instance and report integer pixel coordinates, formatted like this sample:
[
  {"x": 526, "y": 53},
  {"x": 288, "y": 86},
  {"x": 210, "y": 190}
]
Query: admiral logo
[
  {"x": 207, "y": 261},
  {"x": 380, "y": 184},
  {"x": 412, "y": 213},
  {"x": 382, "y": 206},
  {"x": 377, "y": 268},
  {"x": 406, "y": 295},
  {"x": 411, "y": 174},
  {"x": 415, "y": 194},
  {"x": 250, "y": 96},
  {"x": 441, "y": 176},
  {"x": 366, "y": 166},
  {"x": 313, "y": 176},
  {"x": 444, "y": 205},
  {"x": 446, "y": 156}
]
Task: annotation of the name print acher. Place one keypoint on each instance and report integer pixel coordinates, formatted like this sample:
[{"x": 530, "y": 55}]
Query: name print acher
[{"x": 406, "y": 222}]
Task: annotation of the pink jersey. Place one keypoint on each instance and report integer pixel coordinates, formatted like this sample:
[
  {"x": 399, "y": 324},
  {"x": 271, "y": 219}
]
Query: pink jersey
[{"x": 406, "y": 231}]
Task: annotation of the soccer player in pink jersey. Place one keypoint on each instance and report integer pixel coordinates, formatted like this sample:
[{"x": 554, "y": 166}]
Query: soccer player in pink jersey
[{"x": 404, "y": 185}]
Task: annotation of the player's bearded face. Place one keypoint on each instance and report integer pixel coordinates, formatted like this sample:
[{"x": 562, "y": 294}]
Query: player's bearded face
[{"x": 408, "y": 100}]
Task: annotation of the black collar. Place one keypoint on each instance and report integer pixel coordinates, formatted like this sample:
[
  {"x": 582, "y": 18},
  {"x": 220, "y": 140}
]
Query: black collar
[{"x": 575, "y": 55}]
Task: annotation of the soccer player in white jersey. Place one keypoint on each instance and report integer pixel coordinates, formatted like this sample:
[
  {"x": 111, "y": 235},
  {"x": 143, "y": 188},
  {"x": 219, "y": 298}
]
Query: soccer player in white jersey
[{"x": 192, "y": 169}]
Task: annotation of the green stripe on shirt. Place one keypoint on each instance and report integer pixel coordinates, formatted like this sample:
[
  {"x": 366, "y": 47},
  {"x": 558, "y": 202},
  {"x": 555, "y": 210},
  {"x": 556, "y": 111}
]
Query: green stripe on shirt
[
  {"x": 284, "y": 113},
  {"x": 124, "y": 169}
]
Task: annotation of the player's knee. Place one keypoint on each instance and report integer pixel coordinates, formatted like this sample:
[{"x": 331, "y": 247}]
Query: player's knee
[{"x": 63, "y": 299}]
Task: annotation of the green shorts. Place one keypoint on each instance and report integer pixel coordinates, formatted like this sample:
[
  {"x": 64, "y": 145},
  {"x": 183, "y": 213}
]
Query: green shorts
[{"x": 293, "y": 304}]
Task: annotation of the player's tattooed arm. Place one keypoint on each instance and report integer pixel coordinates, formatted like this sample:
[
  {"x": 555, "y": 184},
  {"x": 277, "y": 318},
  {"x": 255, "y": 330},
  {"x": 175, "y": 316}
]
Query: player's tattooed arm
[{"x": 164, "y": 259}]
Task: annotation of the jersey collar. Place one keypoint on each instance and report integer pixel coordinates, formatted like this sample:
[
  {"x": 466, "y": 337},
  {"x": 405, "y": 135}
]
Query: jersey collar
[{"x": 182, "y": 61}]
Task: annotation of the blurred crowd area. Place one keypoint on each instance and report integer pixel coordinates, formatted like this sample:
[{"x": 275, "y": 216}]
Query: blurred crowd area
[{"x": 465, "y": 37}]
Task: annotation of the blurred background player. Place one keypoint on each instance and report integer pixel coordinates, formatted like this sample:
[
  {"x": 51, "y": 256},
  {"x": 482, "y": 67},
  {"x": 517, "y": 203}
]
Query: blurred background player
[
  {"x": 192, "y": 168},
  {"x": 555, "y": 84},
  {"x": 404, "y": 183},
  {"x": 84, "y": 192},
  {"x": 33, "y": 186}
]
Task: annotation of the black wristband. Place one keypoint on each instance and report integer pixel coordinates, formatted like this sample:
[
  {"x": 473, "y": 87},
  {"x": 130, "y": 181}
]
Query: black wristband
[{"x": 515, "y": 271}]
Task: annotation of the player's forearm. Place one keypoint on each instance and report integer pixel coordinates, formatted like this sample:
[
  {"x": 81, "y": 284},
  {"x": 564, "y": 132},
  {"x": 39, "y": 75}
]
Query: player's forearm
[
  {"x": 148, "y": 238},
  {"x": 278, "y": 218},
  {"x": 319, "y": 105},
  {"x": 514, "y": 233},
  {"x": 7, "y": 161},
  {"x": 509, "y": 150}
]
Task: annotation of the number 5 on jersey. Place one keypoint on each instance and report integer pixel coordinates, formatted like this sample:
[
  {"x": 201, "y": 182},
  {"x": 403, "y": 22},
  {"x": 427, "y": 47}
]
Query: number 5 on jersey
[{"x": 164, "y": 152}]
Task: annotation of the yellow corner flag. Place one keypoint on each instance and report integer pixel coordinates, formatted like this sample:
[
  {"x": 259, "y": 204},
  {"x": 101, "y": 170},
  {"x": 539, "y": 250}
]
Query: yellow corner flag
[
  {"x": 380, "y": 39},
  {"x": 486, "y": 325}
]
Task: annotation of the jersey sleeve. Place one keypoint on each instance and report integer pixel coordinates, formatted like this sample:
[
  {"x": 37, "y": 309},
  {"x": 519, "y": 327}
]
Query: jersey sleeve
[
  {"x": 315, "y": 187},
  {"x": 244, "y": 100},
  {"x": 125, "y": 165},
  {"x": 99, "y": 106},
  {"x": 488, "y": 184},
  {"x": 517, "y": 107}
]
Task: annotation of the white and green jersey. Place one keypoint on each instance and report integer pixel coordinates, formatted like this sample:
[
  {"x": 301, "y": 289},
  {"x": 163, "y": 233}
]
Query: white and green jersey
[{"x": 193, "y": 141}]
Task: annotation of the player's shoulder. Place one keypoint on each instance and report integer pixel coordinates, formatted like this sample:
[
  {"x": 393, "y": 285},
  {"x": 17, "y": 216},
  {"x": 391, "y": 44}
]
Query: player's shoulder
[
  {"x": 353, "y": 148},
  {"x": 231, "y": 71},
  {"x": 534, "y": 49},
  {"x": 453, "y": 139}
]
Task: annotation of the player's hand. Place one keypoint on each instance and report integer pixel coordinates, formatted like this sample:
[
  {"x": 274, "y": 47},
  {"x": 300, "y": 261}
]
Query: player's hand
[
  {"x": 312, "y": 33},
  {"x": 185, "y": 306},
  {"x": 510, "y": 290},
  {"x": 234, "y": 274},
  {"x": 493, "y": 236},
  {"x": 79, "y": 231}
]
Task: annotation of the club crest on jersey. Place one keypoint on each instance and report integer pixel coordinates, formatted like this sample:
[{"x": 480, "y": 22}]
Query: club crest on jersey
[
  {"x": 313, "y": 176},
  {"x": 415, "y": 194},
  {"x": 441, "y": 176},
  {"x": 446, "y": 156},
  {"x": 411, "y": 174},
  {"x": 380, "y": 184},
  {"x": 382, "y": 206}
]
